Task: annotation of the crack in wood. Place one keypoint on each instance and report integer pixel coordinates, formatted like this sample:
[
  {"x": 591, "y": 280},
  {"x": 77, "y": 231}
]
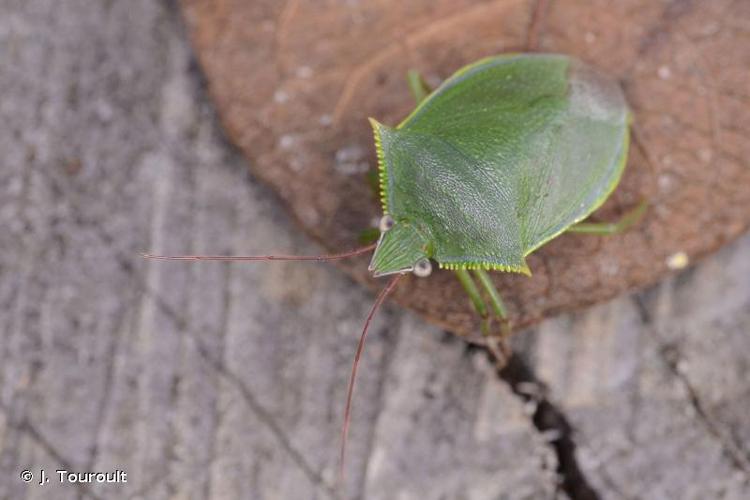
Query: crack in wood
[{"x": 550, "y": 421}]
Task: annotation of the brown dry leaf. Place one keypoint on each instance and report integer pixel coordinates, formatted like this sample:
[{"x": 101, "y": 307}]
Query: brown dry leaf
[{"x": 295, "y": 81}]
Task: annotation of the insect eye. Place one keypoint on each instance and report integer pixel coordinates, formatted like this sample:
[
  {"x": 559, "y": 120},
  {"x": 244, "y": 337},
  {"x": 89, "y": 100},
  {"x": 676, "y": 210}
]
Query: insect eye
[
  {"x": 423, "y": 268},
  {"x": 386, "y": 222}
]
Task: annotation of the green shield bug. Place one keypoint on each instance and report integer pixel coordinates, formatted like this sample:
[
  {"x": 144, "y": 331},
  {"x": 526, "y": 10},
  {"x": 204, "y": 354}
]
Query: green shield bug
[{"x": 505, "y": 155}]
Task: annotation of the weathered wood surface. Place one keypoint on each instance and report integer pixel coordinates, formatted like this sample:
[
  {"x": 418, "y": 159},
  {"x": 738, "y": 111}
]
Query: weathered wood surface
[{"x": 227, "y": 381}]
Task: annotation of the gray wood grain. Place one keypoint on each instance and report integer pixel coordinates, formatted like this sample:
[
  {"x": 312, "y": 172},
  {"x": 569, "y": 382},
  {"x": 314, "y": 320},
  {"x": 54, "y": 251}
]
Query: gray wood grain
[{"x": 228, "y": 381}]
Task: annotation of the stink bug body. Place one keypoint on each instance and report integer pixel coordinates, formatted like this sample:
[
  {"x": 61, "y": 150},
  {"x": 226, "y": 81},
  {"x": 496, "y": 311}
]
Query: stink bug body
[{"x": 505, "y": 155}]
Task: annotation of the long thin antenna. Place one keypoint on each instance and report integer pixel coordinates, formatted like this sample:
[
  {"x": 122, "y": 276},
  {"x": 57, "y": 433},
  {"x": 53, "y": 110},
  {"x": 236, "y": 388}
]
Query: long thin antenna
[
  {"x": 350, "y": 391},
  {"x": 231, "y": 258}
]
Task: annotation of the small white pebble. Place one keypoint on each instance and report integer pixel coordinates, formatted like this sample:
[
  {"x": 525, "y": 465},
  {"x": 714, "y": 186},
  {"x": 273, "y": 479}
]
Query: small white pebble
[
  {"x": 286, "y": 141},
  {"x": 665, "y": 182},
  {"x": 325, "y": 120},
  {"x": 280, "y": 96},
  {"x": 664, "y": 72},
  {"x": 705, "y": 155},
  {"x": 678, "y": 260},
  {"x": 589, "y": 37}
]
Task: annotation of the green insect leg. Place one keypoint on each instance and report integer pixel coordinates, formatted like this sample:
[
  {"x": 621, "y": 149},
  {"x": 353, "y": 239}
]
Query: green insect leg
[
  {"x": 629, "y": 219},
  {"x": 496, "y": 302},
  {"x": 476, "y": 299},
  {"x": 419, "y": 88},
  {"x": 498, "y": 345}
]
